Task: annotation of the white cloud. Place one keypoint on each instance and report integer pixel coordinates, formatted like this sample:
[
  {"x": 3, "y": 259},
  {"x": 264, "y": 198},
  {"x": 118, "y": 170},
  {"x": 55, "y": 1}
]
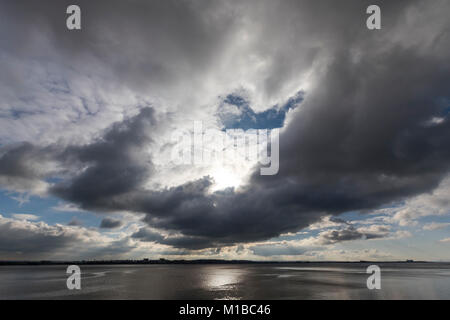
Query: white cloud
[
  {"x": 436, "y": 226},
  {"x": 24, "y": 216},
  {"x": 408, "y": 213},
  {"x": 326, "y": 222},
  {"x": 67, "y": 207}
]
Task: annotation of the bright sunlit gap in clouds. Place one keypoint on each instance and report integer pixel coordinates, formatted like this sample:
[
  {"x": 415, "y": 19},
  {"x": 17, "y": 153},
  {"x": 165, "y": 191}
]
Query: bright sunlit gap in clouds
[{"x": 228, "y": 177}]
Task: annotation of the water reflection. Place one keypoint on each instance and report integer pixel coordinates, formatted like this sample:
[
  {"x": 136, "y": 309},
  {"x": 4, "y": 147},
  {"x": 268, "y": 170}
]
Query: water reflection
[
  {"x": 222, "y": 278},
  {"x": 262, "y": 281},
  {"x": 224, "y": 281}
]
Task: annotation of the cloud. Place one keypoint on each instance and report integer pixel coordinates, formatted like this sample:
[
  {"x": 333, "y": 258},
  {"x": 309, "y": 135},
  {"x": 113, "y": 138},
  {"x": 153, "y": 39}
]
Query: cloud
[
  {"x": 113, "y": 165},
  {"x": 24, "y": 216},
  {"x": 278, "y": 250},
  {"x": 355, "y": 255},
  {"x": 74, "y": 222},
  {"x": 327, "y": 222},
  {"x": 326, "y": 239},
  {"x": 62, "y": 85},
  {"x": 67, "y": 207},
  {"x": 445, "y": 240},
  {"x": 36, "y": 240},
  {"x": 412, "y": 210},
  {"x": 436, "y": 226},
  {"x": 108, "y": 223},
  {"x": 23, "y": 168},
  {"x": 23, "y": 239},
  {"x": 352, "y": 233},
  {"x": 357, "y": 142},
  {"x": 148, "y": 235}
]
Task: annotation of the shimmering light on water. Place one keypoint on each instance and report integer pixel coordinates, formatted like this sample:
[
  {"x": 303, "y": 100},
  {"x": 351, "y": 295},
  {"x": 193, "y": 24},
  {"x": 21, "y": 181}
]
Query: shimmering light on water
[{"x": 240, "y": 281}]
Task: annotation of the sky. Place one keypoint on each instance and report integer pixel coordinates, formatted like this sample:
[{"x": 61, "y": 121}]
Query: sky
[{"x": 88, "y": 117}]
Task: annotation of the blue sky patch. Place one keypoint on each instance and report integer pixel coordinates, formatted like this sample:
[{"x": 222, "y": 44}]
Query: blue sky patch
[{"x": 235, "y": 113}]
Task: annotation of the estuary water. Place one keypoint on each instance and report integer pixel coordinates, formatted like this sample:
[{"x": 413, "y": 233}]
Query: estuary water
[{"x": 228, "y": 281}]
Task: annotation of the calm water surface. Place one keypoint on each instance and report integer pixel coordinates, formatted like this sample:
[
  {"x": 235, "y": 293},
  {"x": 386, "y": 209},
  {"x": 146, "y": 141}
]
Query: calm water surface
[{"x": 262, "y": 281}]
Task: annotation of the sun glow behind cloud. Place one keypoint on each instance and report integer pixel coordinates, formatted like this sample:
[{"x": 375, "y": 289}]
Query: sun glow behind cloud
[{"x": 227, "y": 177}]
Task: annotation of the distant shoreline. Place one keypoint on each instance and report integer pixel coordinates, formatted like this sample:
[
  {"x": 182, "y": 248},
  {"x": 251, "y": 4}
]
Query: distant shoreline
[{"x": 204, "y": 261}]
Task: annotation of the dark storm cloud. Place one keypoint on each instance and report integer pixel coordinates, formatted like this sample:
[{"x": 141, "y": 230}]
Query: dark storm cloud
[
  {"x": 23, "y": 166},
  {"x": 148, "y": 235},
  {"x": 359, "y": 142},
  {"x": 108, "y": 223},
  {"x": 139, "y": 42},
  {"x": 15, "y": 161},
  {"x": 361, "y": 139},
  {"x": 114, "y": 165},
  {"x": 352, "y": 233}
]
